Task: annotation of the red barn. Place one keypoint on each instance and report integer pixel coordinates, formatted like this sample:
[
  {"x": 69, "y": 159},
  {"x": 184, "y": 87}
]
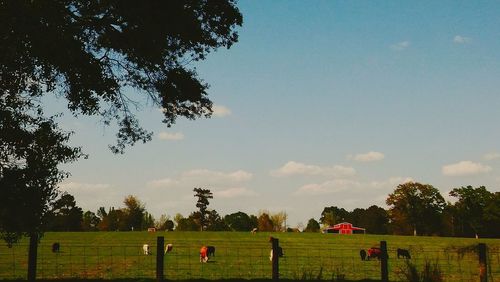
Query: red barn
[{"x": 344, "y": 228}]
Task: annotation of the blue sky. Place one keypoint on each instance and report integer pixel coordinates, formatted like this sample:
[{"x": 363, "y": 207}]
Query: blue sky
[{"x": 320, "y": 103}]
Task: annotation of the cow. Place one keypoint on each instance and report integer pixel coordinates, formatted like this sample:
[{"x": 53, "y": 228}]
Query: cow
[
  {"x": 145, "y": 249},
  {"x": 55, "y": 247},
  {"x": 210, "y": 251},
  {"x": 168, "y": 248},
  {"x": 203, "y": 254},
  {"x": 254, "y": 230},
  {"x": 362, "y": 254},
  {"x": 374, "y": 252},
  {"x": 280, "y": 254},
  {"x": 403, "y": 253}
]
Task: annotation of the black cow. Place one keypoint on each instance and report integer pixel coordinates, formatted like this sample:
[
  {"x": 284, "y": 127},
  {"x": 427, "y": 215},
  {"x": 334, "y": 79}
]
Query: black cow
[
  {"x": 362, "y": 254},
  {"x": 403, "y": 253},
  {"x": 55, "y": 247},
  {"x": 210, "y": 251}
]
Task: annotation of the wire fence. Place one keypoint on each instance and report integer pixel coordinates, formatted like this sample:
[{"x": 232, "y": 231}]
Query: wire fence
[{"x": 245, "y": 260}]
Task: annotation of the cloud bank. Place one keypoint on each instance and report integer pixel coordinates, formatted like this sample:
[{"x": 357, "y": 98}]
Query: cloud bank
[
  {"x": 368, "y": 157},
  {"x": 465, "y": 168}
]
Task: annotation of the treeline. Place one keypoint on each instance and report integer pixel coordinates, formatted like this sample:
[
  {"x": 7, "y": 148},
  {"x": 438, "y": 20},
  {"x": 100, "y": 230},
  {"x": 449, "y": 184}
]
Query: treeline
[{"x": 413, "y": 209}]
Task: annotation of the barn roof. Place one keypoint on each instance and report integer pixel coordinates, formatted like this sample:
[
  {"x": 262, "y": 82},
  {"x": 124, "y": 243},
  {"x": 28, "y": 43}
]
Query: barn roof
[{"x": 344, "y": 225}]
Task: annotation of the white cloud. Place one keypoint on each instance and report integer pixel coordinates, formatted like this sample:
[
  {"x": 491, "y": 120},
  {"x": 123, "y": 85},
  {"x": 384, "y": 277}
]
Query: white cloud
[
  {"x": 296, "y": 168},
  {"x": 235, "y": 192},
  {"x": 328, "y": 187},
  {"x": 392, "y": 182},
  {"x": 400, "y": 46},
  {"x": 75, "y": 187},
  {"x": 217, "y": 176},
  {"x": 461, "y": 39},
  {"x": 221, "y": 111},
  {"x": 171, "y": 136},
  {"x": 162, "y": 183},
  {"x": 491, "y": 156},
  {"x": 465, "y": 168},
  {"x": 368, "y": 157}
]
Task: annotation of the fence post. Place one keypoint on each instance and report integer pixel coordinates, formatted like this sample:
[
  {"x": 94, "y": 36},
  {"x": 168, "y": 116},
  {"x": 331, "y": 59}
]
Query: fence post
[
  {"x": 275, "y": 258},
  {"x": 32, "y": 255},
  {"x": 384, "y": 269},
  {"x": 483, "y": 266},
  {"x": 160, "y": 242}
]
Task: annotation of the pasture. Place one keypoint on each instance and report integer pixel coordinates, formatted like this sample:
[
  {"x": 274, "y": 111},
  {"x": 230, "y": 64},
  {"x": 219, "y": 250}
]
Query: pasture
[{"x": 242, "y": 255}]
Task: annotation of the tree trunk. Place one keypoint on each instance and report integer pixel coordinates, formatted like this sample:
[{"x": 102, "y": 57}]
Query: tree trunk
[{"x": 32, "y": 255}]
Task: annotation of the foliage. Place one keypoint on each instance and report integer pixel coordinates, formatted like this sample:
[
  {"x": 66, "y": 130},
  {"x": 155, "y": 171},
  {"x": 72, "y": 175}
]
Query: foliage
[
  {"x": 264, "y": 222},
  {"x": 203, "y": 195},
  {"x": 333, "y": 215},
  {"x": 374, "y": 219},
  {"x": 90, "y": 221},
  {"x": 134, "y": 213},
  {"x": 239, "y": 221},
  {"x": 312, "y": 226},
  {"x": 475, "y": 210},
  {"x": 31, "y": 149},
  {"x": 93, "y": 53},
  {"x": 65, "y": 215},
  {"x": 430, "y": 272},
  {"x": 416, "y": 207},
  {"x": 279, "y": 221}
]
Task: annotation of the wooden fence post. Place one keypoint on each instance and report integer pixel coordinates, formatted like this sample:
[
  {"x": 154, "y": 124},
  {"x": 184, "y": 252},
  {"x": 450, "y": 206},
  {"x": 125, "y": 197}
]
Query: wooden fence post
[
  {"x": 32, "y": 256},
  {"x": 384, "y": 267},
  {"x": 275, "y": 258},
  {"x": 160, "y": 246},
  {"x": 483, "y": 266}
]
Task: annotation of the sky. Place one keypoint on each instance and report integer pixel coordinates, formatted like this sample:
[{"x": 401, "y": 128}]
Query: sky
[{"x": 320, "y": 103}]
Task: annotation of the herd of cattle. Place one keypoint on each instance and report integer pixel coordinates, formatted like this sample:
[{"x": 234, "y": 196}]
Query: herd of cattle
[{"x": 209, "y": 251}]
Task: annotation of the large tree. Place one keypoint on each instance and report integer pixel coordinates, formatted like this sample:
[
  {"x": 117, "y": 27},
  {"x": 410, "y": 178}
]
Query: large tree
[
  {"x": 202, "y": 204},
  {"x": 472, "y": 209},
  {"x": 416, "y": 207},
  {"x": 239, "y": 221},
  {"x": 134, "y": 213},
  {"x": 65, "y": 215}
]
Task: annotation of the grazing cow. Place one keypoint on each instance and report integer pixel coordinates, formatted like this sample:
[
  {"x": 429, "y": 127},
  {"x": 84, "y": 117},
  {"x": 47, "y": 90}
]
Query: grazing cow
[
  {"x": 145, "y": 249},
  {"x": 403, "y": 253},
  {"x": 211, "y": 251},
  {"x": 280, "y": 253},
  {"x": 168, "y": 248},
  {"x": 203, "y": 254},
  {"x": 55, "y": 247},
  {"x": 254, "y": 230},
  {"x": 374, "y": 252},
  {"x": 362, "y": 254}
]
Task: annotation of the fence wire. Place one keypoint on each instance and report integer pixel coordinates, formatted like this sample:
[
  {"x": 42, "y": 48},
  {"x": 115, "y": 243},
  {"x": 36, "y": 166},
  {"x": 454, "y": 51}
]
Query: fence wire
[{"x": 244, "y": 260}]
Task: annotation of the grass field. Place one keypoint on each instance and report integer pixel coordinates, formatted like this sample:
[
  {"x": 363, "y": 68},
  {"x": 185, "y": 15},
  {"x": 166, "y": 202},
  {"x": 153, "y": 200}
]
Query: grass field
[{"x": 117, "y": 255}]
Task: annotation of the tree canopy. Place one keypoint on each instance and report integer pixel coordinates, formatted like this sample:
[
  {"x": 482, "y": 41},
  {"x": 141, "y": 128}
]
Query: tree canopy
[{"x": 93, "y": 53}]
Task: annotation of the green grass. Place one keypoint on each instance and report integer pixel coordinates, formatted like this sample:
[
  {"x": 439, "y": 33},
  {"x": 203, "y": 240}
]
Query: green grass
[{"x": 118, "y": 255}]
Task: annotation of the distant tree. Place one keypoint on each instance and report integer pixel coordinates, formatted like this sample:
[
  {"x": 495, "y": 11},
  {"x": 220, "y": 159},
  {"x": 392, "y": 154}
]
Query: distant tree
[
  {"x": 90, "y": 221},
  {"x": 215, "y": 222},
  {"x": 65, "y": 215},
  {"x": 148, "y": 221},
  {"x": 239, "y": 221},
  {"x": 114, "y": 220},
  {"x": 203, "y": 195},
  {"x": 161, "y": 223},
  {"x": 186, "y": 224},
  {"x": 169, "y": 225},
  {"x": 416, "y": 207},
  {"x": 492, "y": 216},
  {"x": 374, "y": 219},
  {"x": 333, "y": 215},
  {"x": 471, "y": 209},
  {"x": 312, "y": 226},
  {"x": 134, "y": 213},
  {"x": 265, "y": 223},
  {"x": 279, "y": 220}
]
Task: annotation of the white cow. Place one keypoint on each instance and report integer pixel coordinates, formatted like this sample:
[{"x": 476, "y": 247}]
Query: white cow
[
  {"x": 168, "y": 248},
  {"x": 145, "y": 249}
]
